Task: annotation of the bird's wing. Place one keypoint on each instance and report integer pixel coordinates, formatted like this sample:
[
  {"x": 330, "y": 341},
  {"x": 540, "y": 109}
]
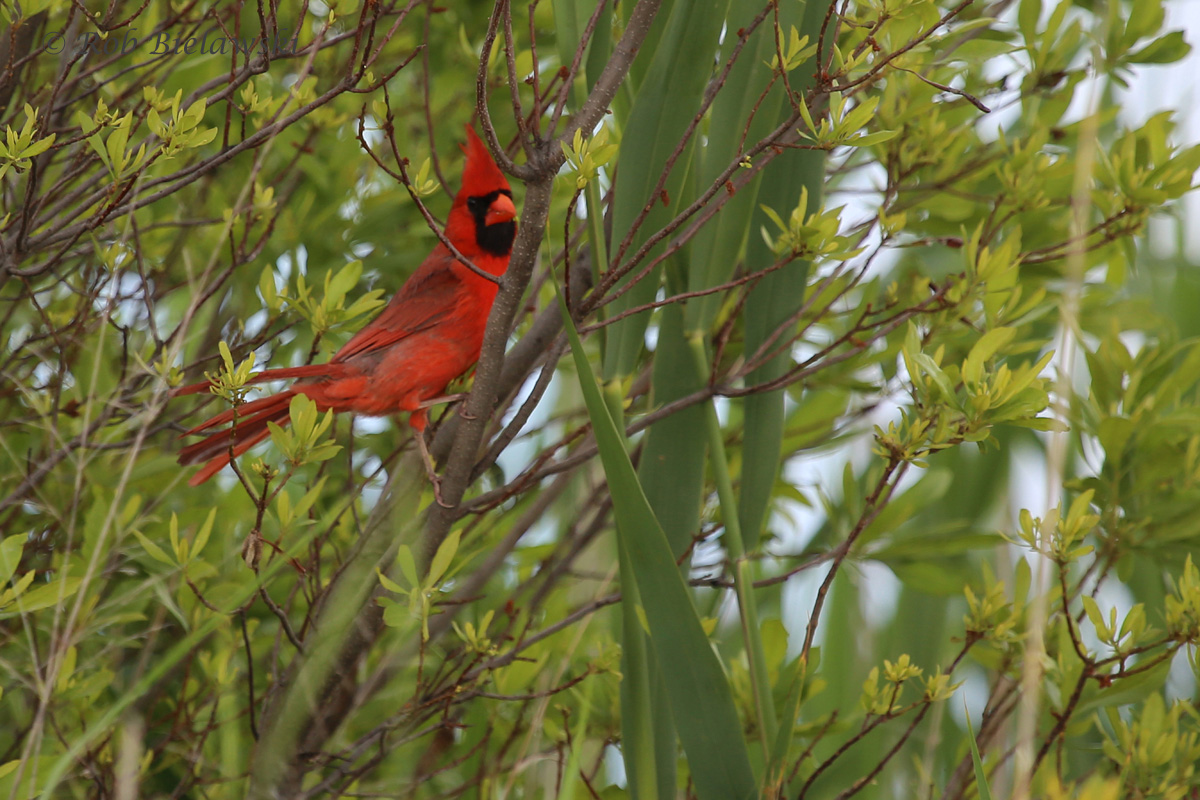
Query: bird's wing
[{"x": 426, "y": 300}]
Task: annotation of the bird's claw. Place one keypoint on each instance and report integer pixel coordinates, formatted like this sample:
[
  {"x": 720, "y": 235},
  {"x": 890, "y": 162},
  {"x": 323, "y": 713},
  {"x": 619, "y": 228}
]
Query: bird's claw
[{"x": 437, "y": 493}]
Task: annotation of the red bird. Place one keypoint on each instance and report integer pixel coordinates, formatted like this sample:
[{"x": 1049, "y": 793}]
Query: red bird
[{"x": 430, "y": 333}]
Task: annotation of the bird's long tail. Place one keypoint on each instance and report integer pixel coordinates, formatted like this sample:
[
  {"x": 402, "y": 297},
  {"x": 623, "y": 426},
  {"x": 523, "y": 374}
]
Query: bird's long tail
[
  {"x": 251, "y": 426},
  {"x": 249, "y": 429},
  {"x": 308, "y": 371}
]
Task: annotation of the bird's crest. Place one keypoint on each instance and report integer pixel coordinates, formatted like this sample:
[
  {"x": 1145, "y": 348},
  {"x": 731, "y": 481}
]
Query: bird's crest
[{"x": 480, "y": 175}]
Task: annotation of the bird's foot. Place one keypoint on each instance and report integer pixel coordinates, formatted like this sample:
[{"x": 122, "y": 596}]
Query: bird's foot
[
  {"x": 445, "y": 398},
  {"x": 449, "y": 398},
  {"x": 430, "y": 472}
]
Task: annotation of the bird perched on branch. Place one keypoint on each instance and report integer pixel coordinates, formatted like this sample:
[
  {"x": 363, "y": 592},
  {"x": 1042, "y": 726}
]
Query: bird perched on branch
[{"x": 430, "y": 333}]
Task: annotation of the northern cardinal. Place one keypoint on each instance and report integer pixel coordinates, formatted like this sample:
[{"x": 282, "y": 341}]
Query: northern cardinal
[{"x": 429, "y": 334}]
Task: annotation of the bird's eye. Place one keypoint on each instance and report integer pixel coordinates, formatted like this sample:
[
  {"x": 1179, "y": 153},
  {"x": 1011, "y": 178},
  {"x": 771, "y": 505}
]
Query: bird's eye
[{"x": 475, "y": 204}]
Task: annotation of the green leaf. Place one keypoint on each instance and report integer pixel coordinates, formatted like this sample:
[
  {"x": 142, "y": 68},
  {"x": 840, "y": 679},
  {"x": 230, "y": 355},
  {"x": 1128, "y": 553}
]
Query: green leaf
[
  {"x": 48, "y": 594},
  {"x": 1164, "y": 50},
  {"x": 1029, "y": 13},
  {"x": 38, "y": 147},
  {"x": 155, "y": 123},
  {"x": 115, "y": 147},
  {"x": 408, "y": 565},
  {"x": 390, "y": 584},
  {"x": 154, "y": 551},
  {"x": 10, "y": 555},
  {"x": 201, "y": 538},
  {"x": 226, "y": 356},
  {"x": 1096, "y": 617},
  {"x": 9, "y": 596},
  {"x": 929, "y": 367},
  {"x": 201, "y": 138},
  {"x": 987, "y": 346},
  {"x": 281, "y": 437},
  {"x": 869, "y": 139},
  {"x": 442, "y": 558},
  {"x": 194, "y": 114}
]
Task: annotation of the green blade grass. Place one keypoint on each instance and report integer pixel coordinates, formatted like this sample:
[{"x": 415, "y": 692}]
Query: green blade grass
[
  {"x": 637, "y": 701},
  {"x": 667, "y": 100},
  {"x": 981, "y": 784},
  {"x": 735, "y": 547},
  {"x": 647, "y": 731},
  {"x": 719, "y": 246},
  {"x": 778, "y": 766},
  {"x": 672, "y": 476},
  {"x": 698, "y": 691},
  {"x": 570, "y": 20},
  {"x": 776, "y": 297},
  {"x": 672, "y": 465}
]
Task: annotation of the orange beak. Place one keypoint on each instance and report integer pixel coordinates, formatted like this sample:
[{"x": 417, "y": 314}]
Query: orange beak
[{"x": 501, "y": 210}]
